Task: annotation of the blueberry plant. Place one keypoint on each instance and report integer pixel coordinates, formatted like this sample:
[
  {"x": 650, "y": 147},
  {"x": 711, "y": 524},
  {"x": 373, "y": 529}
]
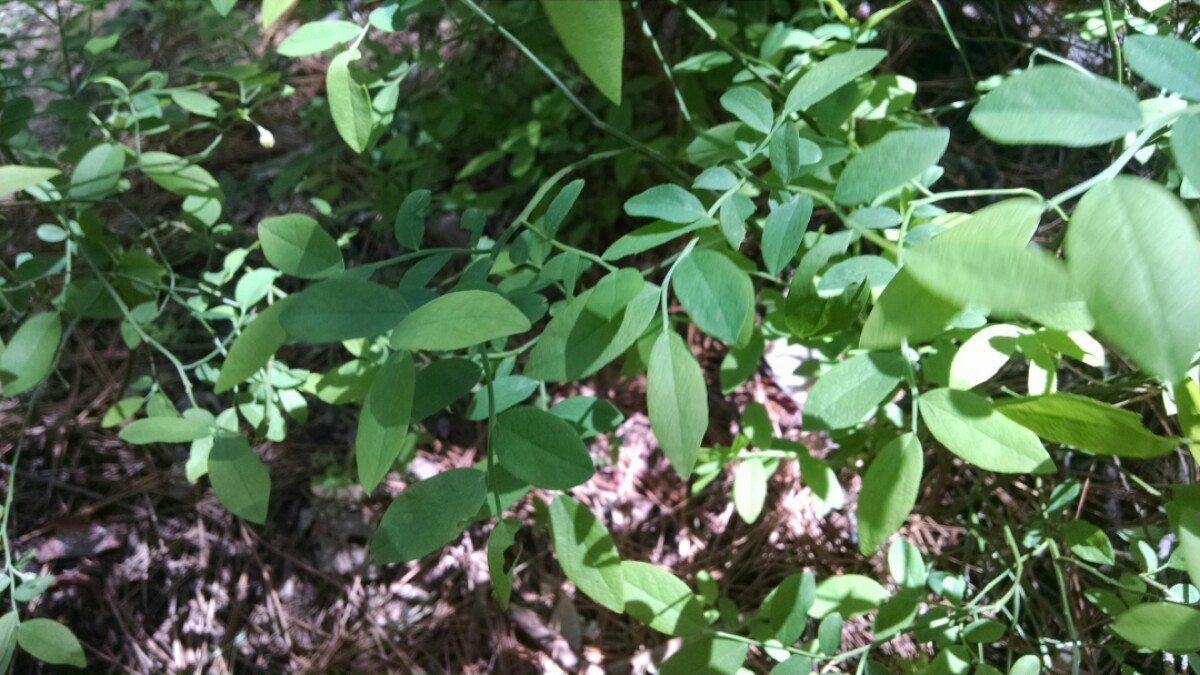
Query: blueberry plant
[{"x": 796, "y": 202}]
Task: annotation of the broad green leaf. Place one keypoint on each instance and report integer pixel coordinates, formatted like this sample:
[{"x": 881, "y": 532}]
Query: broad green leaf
[
  {"x": 383, "y": 423},
  {"x": 1088, "y": 542},
  {"x": 970, "y": 427},
  {"x": 1132, "y": 250},
  {"x": 175, "y": 174},
  {"x": 1160, "y": 626},
  {"x": 614, "y": 292},
  {"x": 410, "y": 219},
  {"x": 509, "y": 389},
  {"x": 586, "y": 553},
  {"x": 239, "y": 478},
  {"x": 848, "y": 595},
  {"x": 783, "y": 232},
  {"x": 1184, "y": 513},
  {"x": 852, "y": 389},
  {"x": 661, "y": 600},
  {"x": 588, "y": 415},
  {"x": 296, "y": 244},
  {"x": 830, "y": 75},
  {"x": 349, "y": 101},
  {"x": 273, "y": 9},
  {"x": 785, "y": 609},
  {"x": 790, "y": 153},
  {"x": 428, "y": 515},
  {"x": 984, "y": 631},
  {"x": 577, "y": 342},
  {"x": 253, "y": 348},
  {"x": 97, "y": 173},
  {"x": 983, "y": 355},
  {"x": 649, "y": 236},
  {"x": 873, "y": 270},
  {"x": 716, "y": 178},
  {"x": 441, "y": 383},
  {"x": 458, "y": 320},
  {"x": 890, "y": 162},
  {"x": 317, "y": 36},
  {"x": 706, "y": 655},
  {"x": 51, "y": 642},
  {"x": 29, "y": 354},
  {"x": 8, "y": 638},
  {"x": 1057, "y": 105},
  {"x": 666, "y": 202},
  {"x": 342, "y": 308},
  {"x": 560, "y": 206},
  {"x": 889, "y": 491},
  {"x": 1026, "y": 665},
  {"x": 733, "y": 214},
  {"x": 750, "y": 106},
  {"x": 165, "y": 430},
  {"x": 1087, "y": 424},
  {"x": 593, "y": 33},
  {"x": 17, "y": 178},
  {"x": 1165, "y": 62},
  {"x": 196, "y": 102},
  {"x": 906, "y": 309},
  {"x": 541, "y": 449},
  {"x": 750, "y": 489},
  {"x": 717, "y": 294},
  {"x": 676, "y": 401},
  {"x": 502, "y": 537},
  {"x": 741, "y": 362},
  {"x": 1185, "y": 143}
]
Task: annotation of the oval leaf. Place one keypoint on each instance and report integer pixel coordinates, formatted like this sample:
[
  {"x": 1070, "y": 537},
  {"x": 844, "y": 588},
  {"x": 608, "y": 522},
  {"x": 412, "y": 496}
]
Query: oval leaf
[
  {"x": 459, "y": 320},
  {"x": 890, "y": 162},
  {"x": 383, "y": 423},
  {"x": 297, "y": 245},
  {"x": 428, "y": 515},
  {"x": 889, "y": 491},
  {"x": 541, "y": 449},
  {"x": 969, "y": 426},
  {"x": 586, "y": 553},
  {"x": 852, "y": 389},
  {"x": 594, "y": 35},
  {"x": 715, "y": 292},
  {"x": 676, "y": 401}
]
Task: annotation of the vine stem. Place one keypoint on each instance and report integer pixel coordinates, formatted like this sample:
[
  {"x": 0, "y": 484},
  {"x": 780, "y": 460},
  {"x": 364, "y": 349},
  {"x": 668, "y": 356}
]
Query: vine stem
[{"x": 491, "y": 455}]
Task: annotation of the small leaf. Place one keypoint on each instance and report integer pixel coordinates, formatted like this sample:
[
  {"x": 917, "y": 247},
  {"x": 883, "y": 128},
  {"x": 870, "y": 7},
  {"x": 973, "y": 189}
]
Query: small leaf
[
  {"x": 29, "y": 355},
  {"x": 969, "y": 426},
  {"x": 588, "y": 415},
  {"x": 733, "y": 214},
  {"x": 97, "y": 173},
  {"x": 175, "y": 174},
  {"x": 660, "y": 600},
  {"x": 1165, "y": 62},
  {"x": 830, "y": 75},
  {"x": 750, "y": 106},
  {"x": 889, "y": 491},
  {"x": 890, "y": 162},
  {"x": 349, "y": 101},
  {"x": 410, "y": 219},
  {"x": 852, "y": 389},
  {"x": 790, "y": 153},
  {"x": 1160, "y": 626},
  {"x": 317, "y": 36},
  {"x": 666, "y": 202},
  {"x": 649, "y": 236},
  {"x": 441, "y": 383},
  {"x": 273, "y": 9},
  {"x": 17, "y": 178},
  {"x": 577, "y": 342},
  {"x": 676, "y": 401},
  {"x": 541, "y": 449},
  {"x": 165, "y": 430},
  {"x": 1087, "y": 424},
  {"x": 295, "y": 244},
  {"x": 593, "y": 33},
  {"x": 560, "y": 206},
  {"x": 196, "y": 102},
  {"x": 253, "y": 348},
  {"x": 848, "y": 595},
  {"x": 785, "y": 609},
  {"x": 750, "y": 489},
  {"x": 1057, "y": 105},
  {"x": 586, "y": 553},
  {"x": 502, "y": 537},
  {"x": 783, "y": 232},
  {"x": 8, "y": 638},
  {"x": 51, "y": 642},
  {"x": 717, "y": 294},
  {"x": 342, "y": 308},
  {"x": 383, "y": 423},
  {"x": 239, "y": 478},
  {"x": 1088, "y": 542},
  {"x": 1185, "y": 143},
  {"x": 428, "y": 515},
  {"x": 458, "y": 320},
  {"x": 1026, "y": 665}
]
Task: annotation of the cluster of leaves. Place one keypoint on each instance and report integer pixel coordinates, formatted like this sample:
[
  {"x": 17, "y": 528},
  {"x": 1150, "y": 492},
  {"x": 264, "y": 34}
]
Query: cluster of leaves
[{"x": 801, "y": 207}]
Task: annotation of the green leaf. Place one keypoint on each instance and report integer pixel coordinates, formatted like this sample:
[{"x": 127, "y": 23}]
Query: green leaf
[
  {"x": 253, "y": 348},
  {"x": 560, "y": 206},
  {"x": 750, "y": 489},
  {"x": 541, "y": 449},
  {"x": 223, "y": 7},
  {"x": 614, "y": 292},
  {"x": 785, "y": 609},
  {"x": 175, "y": 174},
  {"x": 1165, "y": 62},
  {"x": 593, "y": 33},
  {"x": 889, "y": 491},
  {"x": 1184, "y": 513},
  {"x": 29, "y": 354},
  {"x": 848, "y": 595},
  {"x": 586, "y": 553},
  {"x": 349, "y": 101},
  {"x": 676, "y": 401},
  {"x": 317, "y": 36},
  {"x": 750, "y": 106},
  {"x": 969, "y": 426},
  {"x": 509, "y": 389},
  {"x": 1088, "y": 542},
  {"x": 383, "y": 423},
  {"x": 342, "y": 308},
  {"x": 1026, "y": 665},
  {"x": 830, "y": 75},
  {"x": 410, "y": 219},
  {"x": 17, "y": 178},
  {"x": 578, "y": 342},
  {"x": 1132, "y": 249},
  {"x": 733, "y": 214},
  {"x": 1087, "y": 424},
  {"x": 1185, "y": 143},
  {"x": 588, "y": 415},
  {"x": 790, "y": 153},
  {"x": 273, "y": 9},
  {"x": 51, "y": 642},
  {"x": 295, "y": 244},
  {"x": 502, "y": 537},
  {"x": 441, "y": 383},
  {"x": 165, "y": 430},
  {"x": 783, "y": 232},
  {"x": 890, "y": 162},
  {"x": 8, "y": 638},
  {"x": 428, "y": 515},
  {"x": 649, "y": 236},
  {"x": 741, "y": 362},
  {"x": 852, "y": 389},
  {"x": 1160, "y": 626},
  {"x": 1057, "y": 105},
  {"x": 715, "y": 292},
  {"x": 706, "y": 655},
  {"x": 239, "y": 478},
  {"x": 661, "y": 600},
  {"x": 97, "y": 173},
  {"x": 196, "y": 102},
  {"x": 459, "y": 320},
  {"x": 667, "y": 202}
]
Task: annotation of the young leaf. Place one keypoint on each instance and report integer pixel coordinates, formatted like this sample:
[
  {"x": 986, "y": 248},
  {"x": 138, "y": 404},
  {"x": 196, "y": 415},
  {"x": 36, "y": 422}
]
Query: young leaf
[
  {"x": 830, "y": 75},
  {"x": 1185, "y": 143},
  {"x": 29, "y": 354},
  {"x": 889, "y": 491},
  {"x": 295, "y": 244},
  {"x": 239, "y": 478},
  {"x": 441, "y": 383},
  {"x": 586, "y": 553},
  {"x": 428, "y": 515},
  {"x": 410, "y": 219},
  {"x": 750, "y": 489},
  {"x": 1160, "y": 626},
  {"x": 750, "y": 106},
  {"x": 660, "y": 600},
  {"x": 593, "y": 33},
  {"x": 458, "y": 320},
  {"x": 502, "y": 537},
  {"x": 51, "y": 642},
  {"x": 1087, "y": 424},
  {"x": 349, "y": 101},
  {"x": 852, "y": 389},
  {"x": 317, "y": 36},
  {"x": 783, "y": 232},
  {"x": 969, "y": 426},
  {"x": 1057, "y": 105},
  {"x": 890, "y": 162},
  {"x": 383, "y": 423},
  {"x": 342, "y": 308},
  {"x": 715, "y": 292},
  {"x": 1132, "y": 249},
  {"x": 17, "y": 178},
  {"x": 97, "y": 173},
  {"x": 1165, "y": 62},
  {"x": 666, "y": 202},
  {"x": 253, "y": 348},
  {"x": 541, "y": 449},
  {"x": 676, "y": 401}
]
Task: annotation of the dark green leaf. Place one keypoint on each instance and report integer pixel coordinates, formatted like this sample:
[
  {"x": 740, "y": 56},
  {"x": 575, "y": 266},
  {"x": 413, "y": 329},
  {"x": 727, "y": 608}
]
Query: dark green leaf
[
  {"x": 410, "y": 219},
  {"x": 51, "y": 642},
  {"x": 428, "y": 515},
  {"x": 295, "y": 244},
  {"x": 342, "y": 308},
  {"x": 253, "y": 348},
  {"x": 441, "y": 383},
  {"x": 383, "y": 423},
  {"x": 239, "y": 478},
  {"x": 541, "y": 449},
  {"x": 783, "y": 231},
  {"x": 29, "y": 354},
  {"x": 889, "y": 491},
  {"x": 830, "y": 75}
]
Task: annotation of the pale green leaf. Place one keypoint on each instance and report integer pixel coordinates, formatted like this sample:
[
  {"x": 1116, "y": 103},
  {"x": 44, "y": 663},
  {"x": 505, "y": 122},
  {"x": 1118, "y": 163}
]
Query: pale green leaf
[
  {"x": 51, "y": 642},
  {"x": 8, "y": 638},
  {"x": 849, "y": 391},
  {"x": 790, "y": 153},
  {"x": 649, "y": 236},
  {"x": 1165, "y": 62},
  {"x": 750, "y": 489},
  {"x": 983, "y": 355},
  {"x": 458, "y": 320},
  {"x": 273, "y": 9},
  {"x": 593, "y": 33},
  {"x": 666, "y": 202},
  {"x": 830, "y": 75},
  {"x": 750, "y": 106},
  {"x": 676, "y": 401},
  {"x": 1087, "y": 424},
  {"x": 848, "y": 595},
  {"x": 317, "y": 36},
  {"x": 17, "y": 178},
  {"x": 906, "y": 309},
  {"x": 1160, "y": 626},
  {"x": 717, "y": 294},
  {"x": 175, "y": 174},
  {"x": 165, "y": 430},
  {"x": 29, "y": 354},
  {"x": 661, "y": 600},
  {"x": 502, "y": 537},
  {"x": 296, "y": 244},
  {"x": 410, "y": 219},
  {"x": 890, "y": 162},
  {"x": 196, "y": 102},
  {"x": 707, "y": 655},
  {"x": 541, "y": 449},
  {"x": 383, "y": 423},
  {"x": 1185, "y": 143},
  {"x": 889, "y": 491},
  {"x": 428, "y": 515},
  {"x": 586, "y": 553},
  {"x": 783, "y": 232},
  {"x": 970, "y": 427},
  {"x": 97, "y": 172},
  {"x": 614, "y": 292},
  {"x": 349, "y": 101}
]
